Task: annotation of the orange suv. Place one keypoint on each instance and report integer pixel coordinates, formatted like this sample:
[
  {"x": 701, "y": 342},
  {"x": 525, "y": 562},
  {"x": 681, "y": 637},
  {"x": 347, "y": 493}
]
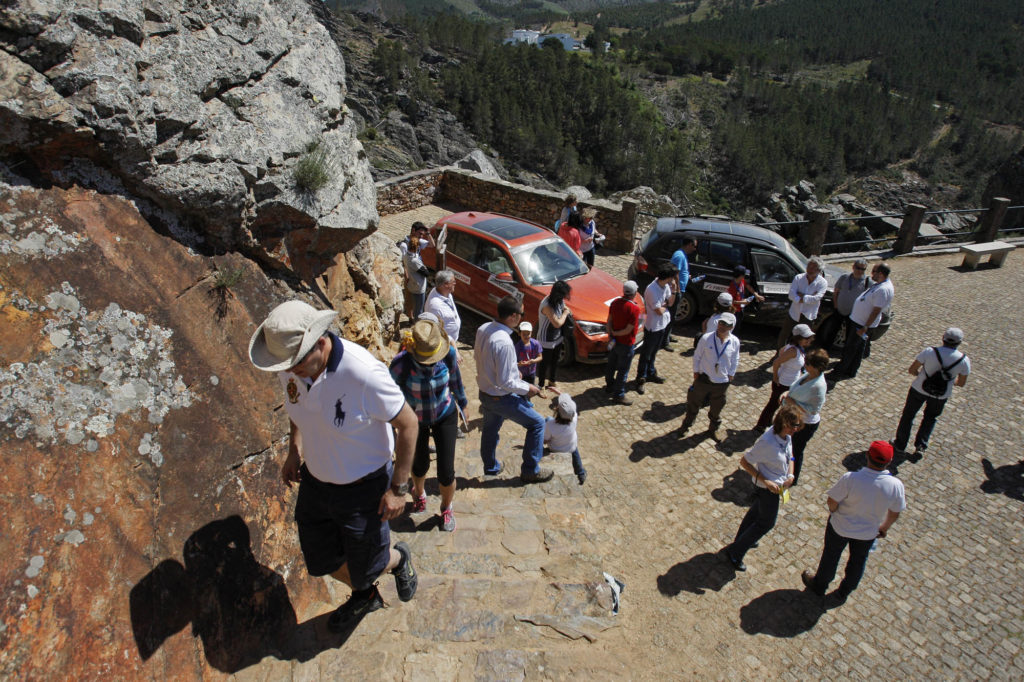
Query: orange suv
[{"x": 494, "y": 255}]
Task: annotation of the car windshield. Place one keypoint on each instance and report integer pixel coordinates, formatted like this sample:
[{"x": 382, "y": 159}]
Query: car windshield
[
  {"x": 548, "y": 261},
  {"x": 795, "y": 255}
]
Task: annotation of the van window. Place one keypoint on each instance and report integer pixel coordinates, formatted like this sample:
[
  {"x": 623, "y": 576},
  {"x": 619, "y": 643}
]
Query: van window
[
  {"x": 770, "y": 267},
  {"x": 719, "y": 254}
]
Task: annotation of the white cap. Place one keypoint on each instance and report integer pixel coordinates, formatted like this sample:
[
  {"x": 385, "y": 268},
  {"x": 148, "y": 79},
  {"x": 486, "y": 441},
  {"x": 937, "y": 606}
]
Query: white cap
[
  {"x": 566, "y": 406},
  {"x": 525, "y": 327},
  {"x": 727, "y": 319},
  {"x": 803, "y": 331}
]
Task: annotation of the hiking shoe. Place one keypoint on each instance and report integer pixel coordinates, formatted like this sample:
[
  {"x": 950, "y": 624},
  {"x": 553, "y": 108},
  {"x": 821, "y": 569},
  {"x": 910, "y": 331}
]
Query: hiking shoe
[
  {"x": 581, "y": 477},
  {"x": 656, "y": 379},
  {"x": 501, "y": 467},
  {"x": 916, "y": 457},
  {"x": 539, "y": 477},
  {"x": 808, "y": 579},
  {"x": 640, "y": 386},
  {"x": 715, "y": 434},
  {"x": 354, "y": 609},
  {"x": 622, "y": 400},
  {"x": 447, "y": 520},
  {"x": 405, "y": 575},
  {"x": 419, "y": 504}
]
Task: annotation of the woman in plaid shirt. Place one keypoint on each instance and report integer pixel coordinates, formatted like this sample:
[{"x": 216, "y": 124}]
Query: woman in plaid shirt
[{"x": 428, "y": 374}]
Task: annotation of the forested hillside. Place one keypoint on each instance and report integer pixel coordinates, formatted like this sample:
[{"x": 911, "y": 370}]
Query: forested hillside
[{"x": 724, "y": 110}]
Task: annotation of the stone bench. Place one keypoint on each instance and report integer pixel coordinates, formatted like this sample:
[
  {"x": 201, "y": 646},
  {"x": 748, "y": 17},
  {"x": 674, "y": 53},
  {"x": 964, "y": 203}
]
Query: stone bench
[{"x": 996, "y": 251}]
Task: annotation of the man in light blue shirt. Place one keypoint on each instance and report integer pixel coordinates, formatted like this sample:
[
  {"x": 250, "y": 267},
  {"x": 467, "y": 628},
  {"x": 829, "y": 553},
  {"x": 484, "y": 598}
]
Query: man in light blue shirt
[
  {"x": 504, "y": 394},
  {"x": 680, "y": 259}
]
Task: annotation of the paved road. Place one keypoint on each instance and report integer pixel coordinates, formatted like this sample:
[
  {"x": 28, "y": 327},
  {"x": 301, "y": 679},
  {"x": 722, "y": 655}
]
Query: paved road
[{"x": 941, "y": 598}]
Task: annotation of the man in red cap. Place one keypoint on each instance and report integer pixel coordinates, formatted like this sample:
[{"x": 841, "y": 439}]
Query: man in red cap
[{"x": 863, "y": 505}]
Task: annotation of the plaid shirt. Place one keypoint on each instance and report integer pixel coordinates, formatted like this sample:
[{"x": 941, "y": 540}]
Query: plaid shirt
[{"x": 430, "y": 391}]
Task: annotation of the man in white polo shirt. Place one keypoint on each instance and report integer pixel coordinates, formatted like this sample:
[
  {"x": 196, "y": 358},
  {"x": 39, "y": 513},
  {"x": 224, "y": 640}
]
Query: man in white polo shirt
[
  {"x": 714, "y": 365},
  {"x": 441, "y": 302},
  {"x": 658, "y": 298},
  {"x": 863, "y": 505},
  {"x": 806, "y": 293},
  {"x": 932, "y": 360},
  {"x": 342, "y": 404},
  {"x": 865, "y": 316}
]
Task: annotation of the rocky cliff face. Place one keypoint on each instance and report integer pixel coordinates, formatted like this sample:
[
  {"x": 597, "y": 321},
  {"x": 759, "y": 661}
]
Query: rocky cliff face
[
  {"x": 149, "y": 218},
  {"x": 200, "y": 111}
]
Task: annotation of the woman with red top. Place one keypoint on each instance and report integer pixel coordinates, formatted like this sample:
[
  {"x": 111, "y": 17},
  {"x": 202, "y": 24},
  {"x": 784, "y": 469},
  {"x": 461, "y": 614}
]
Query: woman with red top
[{"x": 741, "y": 294}]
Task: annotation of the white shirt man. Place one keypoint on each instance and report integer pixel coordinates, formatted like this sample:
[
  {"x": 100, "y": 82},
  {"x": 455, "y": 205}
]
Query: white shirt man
[
  {"x": 805, "y": 292},
  {"x": 866, "y": 314},
  {"x": 714, "y": 365},
  {"x": 863, "y": 504}
]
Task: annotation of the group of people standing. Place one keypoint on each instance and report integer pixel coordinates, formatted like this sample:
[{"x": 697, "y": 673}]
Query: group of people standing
[{"x": 360, "y": 431}]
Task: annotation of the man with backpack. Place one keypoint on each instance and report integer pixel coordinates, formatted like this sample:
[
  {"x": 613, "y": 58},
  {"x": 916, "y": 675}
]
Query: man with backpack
[{"x": 942, "y": 367}]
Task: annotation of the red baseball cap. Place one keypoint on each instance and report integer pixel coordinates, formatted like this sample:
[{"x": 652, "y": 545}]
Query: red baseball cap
[{"x": 880, "y": 452}]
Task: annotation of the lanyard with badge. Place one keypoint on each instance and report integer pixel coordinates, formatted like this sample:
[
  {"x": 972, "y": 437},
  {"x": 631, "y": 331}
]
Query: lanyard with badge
[
  {"x": 868, "y": 292},
  {"x": 718, "y": 353}
]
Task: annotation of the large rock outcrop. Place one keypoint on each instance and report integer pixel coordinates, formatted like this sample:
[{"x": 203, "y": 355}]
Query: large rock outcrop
[
  {"x": 200, "y": 111},
  {"x": 147, "y": 532}
]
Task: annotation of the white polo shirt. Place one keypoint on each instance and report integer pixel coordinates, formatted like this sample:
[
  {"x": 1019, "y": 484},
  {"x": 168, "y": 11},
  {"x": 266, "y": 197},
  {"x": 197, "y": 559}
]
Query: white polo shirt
[
  {"x": 865, "y": 497},
  {"x": 878, "y": 295},
  {"x": 716, "y": 358},
  {"x": 343, "y": 416},
  {"x": 447, "y": 313},
  {"x": 930, "y": 365},
  {"x": 812, "y": 293},
  {"x": 656, "y": 296}
]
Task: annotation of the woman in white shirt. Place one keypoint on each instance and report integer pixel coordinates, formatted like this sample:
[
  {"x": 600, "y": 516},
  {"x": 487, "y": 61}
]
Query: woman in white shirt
[{"x": 785, "y": 370}]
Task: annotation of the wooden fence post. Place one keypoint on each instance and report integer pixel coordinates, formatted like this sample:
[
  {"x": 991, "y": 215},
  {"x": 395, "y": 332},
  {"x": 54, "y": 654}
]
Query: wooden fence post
[
  {"x": 909, "y": 229},
  {"x": 622, "y": 239},
  {"x": 992, "y": 220},
  {"x": 815, "y": 231}
]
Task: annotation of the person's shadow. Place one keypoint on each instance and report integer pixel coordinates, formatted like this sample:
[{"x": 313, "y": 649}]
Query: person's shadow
[
  {"x": 782, "y": 613},
  {"x": 1007, "y": 480},
  {"x": 701, "y": 572},
  {"x": 736, "y": 488},
  {"x": 239, "y": 608}
]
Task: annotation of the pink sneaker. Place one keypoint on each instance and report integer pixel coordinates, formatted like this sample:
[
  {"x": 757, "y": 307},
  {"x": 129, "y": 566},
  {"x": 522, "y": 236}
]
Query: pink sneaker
[
  {"x": 447, "y": 520},
  {"x": 419, "y": 504}
]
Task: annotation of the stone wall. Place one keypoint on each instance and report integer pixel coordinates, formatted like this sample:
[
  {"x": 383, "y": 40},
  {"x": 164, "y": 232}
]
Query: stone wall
[
  {"x": 409, "y": 191},
  {"x": 473, "y": 191}
]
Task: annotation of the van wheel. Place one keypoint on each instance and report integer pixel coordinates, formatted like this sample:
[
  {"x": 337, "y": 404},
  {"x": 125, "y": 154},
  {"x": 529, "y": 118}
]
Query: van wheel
[
  {"x": 566, "y": 353},
  {"x": 687, "y": 309}
]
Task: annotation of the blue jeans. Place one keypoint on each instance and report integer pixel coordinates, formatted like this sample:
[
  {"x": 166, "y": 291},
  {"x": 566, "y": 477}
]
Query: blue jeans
[
  {"x": 829, "y": 563},
  {"x": 577, "y": 463},
  {"x": 759, "y": 519},
  {"x": 496, "y": 409},
  {"x": 620, "y": 357},
  {"x": 648, "y": 349},
  {"x": 933, "y": 408},
  {"x": 418, "y": 301}
]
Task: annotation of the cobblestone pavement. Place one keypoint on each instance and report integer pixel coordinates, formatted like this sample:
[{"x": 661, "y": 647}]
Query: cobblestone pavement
[{"x": 941, "y": 598}]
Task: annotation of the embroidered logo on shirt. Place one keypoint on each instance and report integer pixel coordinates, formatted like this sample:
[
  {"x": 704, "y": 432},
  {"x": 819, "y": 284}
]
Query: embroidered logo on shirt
[
  {"x": 293, "y": 392},
  {"x": 339, "y": 414}
]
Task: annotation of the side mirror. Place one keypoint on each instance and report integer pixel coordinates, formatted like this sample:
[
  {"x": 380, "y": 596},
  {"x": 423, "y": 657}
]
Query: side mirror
[{"x": 505, "y": 277}]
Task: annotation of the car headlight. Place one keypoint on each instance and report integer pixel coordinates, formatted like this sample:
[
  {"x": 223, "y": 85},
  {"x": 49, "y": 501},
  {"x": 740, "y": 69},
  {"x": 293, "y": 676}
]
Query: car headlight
[{"x": 591, "y": 328}]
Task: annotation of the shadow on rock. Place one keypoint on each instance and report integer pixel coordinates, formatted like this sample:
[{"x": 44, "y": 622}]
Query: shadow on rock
[
  {"x": 736, "y": 488},
  {"x": 782, "y": 613},
  {"x": 702, "y": 572},
  {"x": 1007, "y": 480},
  {"x": 855, "y": 461},
  {"x": 239, "y": 608}
]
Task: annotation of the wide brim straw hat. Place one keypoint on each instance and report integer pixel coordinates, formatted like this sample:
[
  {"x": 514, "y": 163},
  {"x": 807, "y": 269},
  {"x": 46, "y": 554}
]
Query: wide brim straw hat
[
  {"x": 429, "y": 342},
  {"x": 287, "y": 334}
]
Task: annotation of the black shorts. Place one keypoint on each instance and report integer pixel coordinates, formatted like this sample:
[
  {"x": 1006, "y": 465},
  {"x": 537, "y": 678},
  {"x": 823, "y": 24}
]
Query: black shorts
[{"x": 339, "y": 524}]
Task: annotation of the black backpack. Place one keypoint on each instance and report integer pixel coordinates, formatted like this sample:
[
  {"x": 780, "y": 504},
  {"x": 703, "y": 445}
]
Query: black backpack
[{"x": 936, "y": 384}]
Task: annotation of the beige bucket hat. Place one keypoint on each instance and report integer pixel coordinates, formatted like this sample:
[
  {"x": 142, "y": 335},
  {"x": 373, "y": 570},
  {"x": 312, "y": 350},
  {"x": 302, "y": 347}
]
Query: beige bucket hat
[
  {"x": 287, "y": 334},
  {"x": 429, "y": 342}
]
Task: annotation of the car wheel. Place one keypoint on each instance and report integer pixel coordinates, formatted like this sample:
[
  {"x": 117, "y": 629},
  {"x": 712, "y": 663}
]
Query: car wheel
[
  {"x": 687, "y": 309},
  {"x": 566, "y": 353}
]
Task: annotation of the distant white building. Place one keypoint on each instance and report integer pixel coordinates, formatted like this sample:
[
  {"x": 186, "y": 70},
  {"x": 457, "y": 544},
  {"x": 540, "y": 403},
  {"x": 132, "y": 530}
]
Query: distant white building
[{"x": 524, "y": 36}]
